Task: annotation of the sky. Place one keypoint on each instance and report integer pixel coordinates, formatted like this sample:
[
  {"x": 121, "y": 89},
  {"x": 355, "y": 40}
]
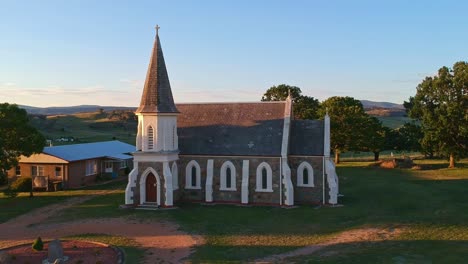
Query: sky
[{"x": 63, "y": 53}]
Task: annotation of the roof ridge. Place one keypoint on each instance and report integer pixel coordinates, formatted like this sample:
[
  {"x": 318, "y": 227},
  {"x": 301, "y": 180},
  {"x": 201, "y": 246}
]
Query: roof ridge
[{"x": 247, "y": 102}]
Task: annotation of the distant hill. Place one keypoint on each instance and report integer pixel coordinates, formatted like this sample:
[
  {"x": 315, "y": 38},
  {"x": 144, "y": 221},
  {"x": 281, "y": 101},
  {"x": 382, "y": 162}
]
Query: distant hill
[
  {"x": 69, "y": 110},
  {"x": 371, "y": 104}
]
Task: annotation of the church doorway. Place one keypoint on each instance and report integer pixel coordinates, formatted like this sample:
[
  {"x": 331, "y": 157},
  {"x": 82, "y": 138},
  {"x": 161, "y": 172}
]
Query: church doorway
[{"x": 151, "y": 190}]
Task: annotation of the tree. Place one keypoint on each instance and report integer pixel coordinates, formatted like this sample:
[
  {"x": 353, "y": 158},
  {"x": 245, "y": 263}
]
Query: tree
[
  {"x": 18, "y": 138},
  {"x": 375, "y": 135},
  {"x": 410, "y": 135},
  {"x": 305, "y": 107},
  {"x": 441, "y": 104},
  {"x": 347, "y": 121}
]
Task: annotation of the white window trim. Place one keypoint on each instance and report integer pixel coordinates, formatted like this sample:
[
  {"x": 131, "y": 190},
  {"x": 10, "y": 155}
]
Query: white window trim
[
  {"x": 259, "y": 178},
  {"x": 188, "y": 174},
  {"x": 222, "y": 186},
  {"x": 38, "y": 170},
  {"x": 124, "y": 163},
  {"x": 300, "y": 174},
  {"x": 55, "y": 172},
  {"x": 94, "y": 170},
  {"x": 175, "y": 176}
]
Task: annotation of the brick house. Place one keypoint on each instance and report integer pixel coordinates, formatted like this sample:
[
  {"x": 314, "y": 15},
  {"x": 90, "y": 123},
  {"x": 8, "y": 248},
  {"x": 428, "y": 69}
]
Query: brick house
[
  {"x": 244, "y": 153},
  {"x": 75, "y": 165}
]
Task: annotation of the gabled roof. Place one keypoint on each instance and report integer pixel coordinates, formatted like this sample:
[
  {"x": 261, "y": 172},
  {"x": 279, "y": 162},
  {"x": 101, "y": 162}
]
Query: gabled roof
[
  {"x": 75, "y": 152},
  {"x": 306, "y": 138},
  {"x": 157, "y": 94},
  {"x": 227, "y": 129}
]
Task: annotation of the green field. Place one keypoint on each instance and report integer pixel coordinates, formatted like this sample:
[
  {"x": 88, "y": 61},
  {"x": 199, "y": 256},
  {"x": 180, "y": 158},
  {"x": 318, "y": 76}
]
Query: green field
[
  {"x": 429, "y": 205},
  {"x": 86, "y": 127}
]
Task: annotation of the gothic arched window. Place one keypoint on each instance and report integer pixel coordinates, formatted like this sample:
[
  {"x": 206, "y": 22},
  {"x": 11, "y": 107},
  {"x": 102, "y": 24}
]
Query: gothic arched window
[
  {"x": 150, "y": 137},
  {"x": 305, "y": 175},
  {"x": 264, "y": 178},
  {"x": 228, "y": 177},
  {"x": 193, "y": 175}
]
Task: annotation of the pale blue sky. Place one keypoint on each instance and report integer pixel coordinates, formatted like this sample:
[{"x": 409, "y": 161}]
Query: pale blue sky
[{"x": 55, "y": 53}]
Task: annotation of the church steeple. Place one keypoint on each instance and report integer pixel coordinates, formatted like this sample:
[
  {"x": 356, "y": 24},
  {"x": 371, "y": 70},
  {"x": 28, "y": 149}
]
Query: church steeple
[{"x": 157, "y": 94}]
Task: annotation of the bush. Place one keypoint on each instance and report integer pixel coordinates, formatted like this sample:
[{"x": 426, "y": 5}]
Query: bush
[
  {"x": 22, "y": 185},
  {"x": 38, "y": 245},
  {"x": 8, "y": 192},
  {"x": 103, "y": 177}
]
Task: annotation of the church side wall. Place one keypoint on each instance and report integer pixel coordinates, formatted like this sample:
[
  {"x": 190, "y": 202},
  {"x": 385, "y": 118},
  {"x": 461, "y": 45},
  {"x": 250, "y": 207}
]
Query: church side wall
[
  {"x": 308, "y": 195},
  {"x": 224, "y": 196}
]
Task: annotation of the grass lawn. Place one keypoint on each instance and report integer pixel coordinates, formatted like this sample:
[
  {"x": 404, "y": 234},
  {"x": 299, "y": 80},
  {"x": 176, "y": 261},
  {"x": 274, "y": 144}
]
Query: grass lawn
[
  {"x": 133, "y": 254},
  {"x": 430, "y": 205},
  {"x": 11, "y": 208}
]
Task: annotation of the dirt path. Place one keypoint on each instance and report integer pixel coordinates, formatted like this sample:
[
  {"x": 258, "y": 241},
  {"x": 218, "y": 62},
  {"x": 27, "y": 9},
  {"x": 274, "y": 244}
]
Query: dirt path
[
  {"x": 163, "y": 241},
  {"x": 351, "y": 236}
]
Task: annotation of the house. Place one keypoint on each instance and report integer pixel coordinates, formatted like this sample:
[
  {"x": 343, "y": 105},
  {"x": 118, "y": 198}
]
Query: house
[
  {"x": 75, "y": 165},
  {"x": 241, "y": 152}
]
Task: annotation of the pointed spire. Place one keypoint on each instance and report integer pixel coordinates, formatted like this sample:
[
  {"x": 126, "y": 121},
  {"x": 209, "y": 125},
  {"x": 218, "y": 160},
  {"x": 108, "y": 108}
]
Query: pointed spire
[{"x": 157, "y": 94}]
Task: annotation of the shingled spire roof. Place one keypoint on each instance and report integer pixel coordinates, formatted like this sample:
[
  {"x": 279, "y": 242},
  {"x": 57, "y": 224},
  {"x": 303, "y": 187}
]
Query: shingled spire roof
[{"x": 157, "y": 94}]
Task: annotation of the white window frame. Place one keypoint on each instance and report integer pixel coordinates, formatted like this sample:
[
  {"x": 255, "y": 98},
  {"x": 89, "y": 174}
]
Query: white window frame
[
  {"x": 123, "y": 164},
  {"x": 39, "y": 170},
  {"x": 259, "y": 178},
  {"x": 175, "y": 176},
  {"x": 18, "y": 169},
  {"x": 223, "y": 175},
  {"x": 61, "y": 171},
  {"x": 300, "y": 174},
  {"x": 91, "y": 167},
  {"x": 188, "y": 176}
]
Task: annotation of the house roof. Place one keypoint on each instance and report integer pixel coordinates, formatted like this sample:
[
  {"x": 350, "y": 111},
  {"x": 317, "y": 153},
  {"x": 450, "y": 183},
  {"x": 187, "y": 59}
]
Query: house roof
[
  {"x": 225, "y": 129},
  {"x": 157, "y": 94},
  {"x": 84, "y": 151},
  {"x": 306, "y": 138}
]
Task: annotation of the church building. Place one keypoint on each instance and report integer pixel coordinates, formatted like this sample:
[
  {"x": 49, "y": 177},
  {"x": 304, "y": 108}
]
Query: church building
[{"x": 250, "y": 153}]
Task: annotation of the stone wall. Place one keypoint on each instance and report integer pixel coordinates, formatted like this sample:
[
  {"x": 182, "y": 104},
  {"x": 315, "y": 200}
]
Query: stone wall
[
  {"x": 223, "y": 196},
  {"x": 308, "y": 195},
  {"x": 158, "y": 167}
]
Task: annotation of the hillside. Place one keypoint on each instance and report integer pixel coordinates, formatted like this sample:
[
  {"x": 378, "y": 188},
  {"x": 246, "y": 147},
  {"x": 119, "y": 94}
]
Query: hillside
[
  {"x": 68, "y": 110},
  {"x": 87, "y": 127}
]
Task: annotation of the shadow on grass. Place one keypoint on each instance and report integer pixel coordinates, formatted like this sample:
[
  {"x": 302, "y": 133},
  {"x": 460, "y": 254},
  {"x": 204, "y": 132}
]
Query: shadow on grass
[{"x": 395, "y": 251}]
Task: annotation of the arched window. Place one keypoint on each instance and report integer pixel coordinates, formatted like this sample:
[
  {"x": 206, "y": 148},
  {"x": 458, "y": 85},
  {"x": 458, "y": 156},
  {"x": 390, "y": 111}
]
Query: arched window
[
  {"x": 150, "y": 137},
  {"x": 175, "y": 176},
  {"x": 228, "y": 177},
  {"x": 193, "y": 175},
  {"x": 264, "y": 178},
  {"x": 305, "y": 175}
]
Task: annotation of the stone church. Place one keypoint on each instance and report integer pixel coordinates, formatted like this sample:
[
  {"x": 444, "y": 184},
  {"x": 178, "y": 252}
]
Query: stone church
[{"x": 251, "y": 153}]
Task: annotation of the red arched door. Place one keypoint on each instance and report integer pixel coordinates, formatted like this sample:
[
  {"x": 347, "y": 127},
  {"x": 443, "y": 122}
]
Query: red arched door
[{"x": 151, "y": 190}]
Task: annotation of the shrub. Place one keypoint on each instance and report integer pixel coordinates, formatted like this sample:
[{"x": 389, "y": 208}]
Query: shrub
[
  {"x": 38, "y": 245},
  {"x": 8, "y": 192},
  {"x": 103, "y": 177},
  {"x": 22, "y": 185}
]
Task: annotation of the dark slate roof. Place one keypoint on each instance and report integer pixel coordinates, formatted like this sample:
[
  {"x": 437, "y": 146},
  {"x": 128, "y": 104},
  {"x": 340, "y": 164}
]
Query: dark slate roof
[
  {"x": 244, "y": 129},
  {"x": 113, "y": 149},
  {"x": 306, "y": 138},
  {"x": 157, "y": 94}
]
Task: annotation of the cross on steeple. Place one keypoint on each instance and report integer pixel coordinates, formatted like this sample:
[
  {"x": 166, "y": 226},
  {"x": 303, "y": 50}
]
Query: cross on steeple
[{"x": 157, "y": 29}]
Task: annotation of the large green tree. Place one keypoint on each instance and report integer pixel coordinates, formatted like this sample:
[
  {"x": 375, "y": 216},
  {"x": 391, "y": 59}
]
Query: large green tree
[
  {"x": 17, "y": 137},
  {"x": 348, "y": 123},
  {"x": 375, "y": 136},
  {"x": 305, "y": 107},
  {"x": 441, "y": 104}
]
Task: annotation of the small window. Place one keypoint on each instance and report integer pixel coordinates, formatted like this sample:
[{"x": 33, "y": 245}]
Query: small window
[
  {"x": 150, "y": 137},
  {"x": 18, "y": 171},
  {"x": 58, "y": 171},
  {"x": 227, "y": 177},
  {"x": 264, "y": 178},
  {"x": 37, "y": 170},
  {"x": 108, "y": 164},
  {"x": 194, "y": 176},
  {"x": 123, "y": 164},
  {"x": 91, "y": 167},
  {"x": 305, "y": 175}
]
